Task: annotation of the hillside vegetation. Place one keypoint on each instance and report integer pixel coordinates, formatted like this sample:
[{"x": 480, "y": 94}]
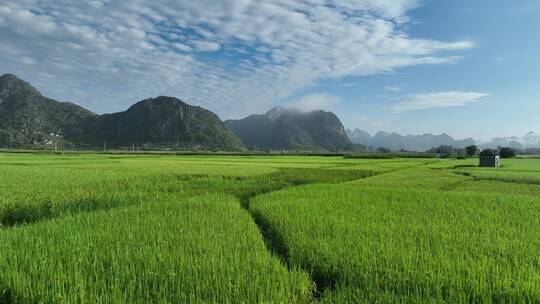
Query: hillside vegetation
[
  {"x": 28, "y": 119},
  {"x": 162, "y": 122}
]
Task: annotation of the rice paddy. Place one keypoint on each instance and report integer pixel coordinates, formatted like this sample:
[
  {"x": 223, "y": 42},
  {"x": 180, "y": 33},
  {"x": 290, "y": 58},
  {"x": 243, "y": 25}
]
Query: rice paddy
[{"x": 98, "y": 228}]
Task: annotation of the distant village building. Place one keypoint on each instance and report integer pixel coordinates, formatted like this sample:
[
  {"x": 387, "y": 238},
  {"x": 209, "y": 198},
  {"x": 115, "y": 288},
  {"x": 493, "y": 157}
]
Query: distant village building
[{"x": 493, "y": 161}]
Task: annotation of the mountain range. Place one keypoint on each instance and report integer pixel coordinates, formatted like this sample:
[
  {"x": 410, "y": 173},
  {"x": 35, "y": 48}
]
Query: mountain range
[
  {"x": 397, "y": 142},
  {"x": 529, "y": 140},
  {"x": 282, "y": 128},
  {"x": 28, "y": 118}
]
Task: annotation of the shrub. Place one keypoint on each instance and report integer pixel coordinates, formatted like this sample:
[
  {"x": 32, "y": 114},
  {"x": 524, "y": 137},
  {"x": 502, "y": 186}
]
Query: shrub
[
  {"x": 507, "y": 152},
  {"x": 489, "y": 152},
  {"x": 471, "y": 150}
]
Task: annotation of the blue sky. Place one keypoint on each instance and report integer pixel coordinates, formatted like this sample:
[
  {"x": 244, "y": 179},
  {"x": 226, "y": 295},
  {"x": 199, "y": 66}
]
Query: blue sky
[
  {"x": 466, "y": 68},
  {"x": 504, "y": 63}
]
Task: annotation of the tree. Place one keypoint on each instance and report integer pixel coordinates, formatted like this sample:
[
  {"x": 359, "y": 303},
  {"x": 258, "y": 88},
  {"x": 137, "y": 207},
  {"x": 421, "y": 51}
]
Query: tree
[
  {"x": 507, "y": 152},
  {"x": 444, "y": 150},
  {"x": 471, "y": 150},
  {"x": 383, "y": 150},
  {"x": 460, "y": 153},
  {"x": 10, "y": 138},
  {"x": 489, "y": 152},
  {"x": 6, "y": 139}
]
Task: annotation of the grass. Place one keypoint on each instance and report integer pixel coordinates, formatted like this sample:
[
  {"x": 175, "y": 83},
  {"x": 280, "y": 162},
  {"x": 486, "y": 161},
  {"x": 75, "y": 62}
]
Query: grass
[
  {"x": 497, "y": 186},
  {"x": 379, "y": 245},
  {"x": 101, "y": 228},
  {"x": 416, "y": 178},
  {"x": 74, "y": 191},
  {"x": 525, "y": 171},
  {"x": 390, "y": 155},
  {"x": 201, "y": 250}
]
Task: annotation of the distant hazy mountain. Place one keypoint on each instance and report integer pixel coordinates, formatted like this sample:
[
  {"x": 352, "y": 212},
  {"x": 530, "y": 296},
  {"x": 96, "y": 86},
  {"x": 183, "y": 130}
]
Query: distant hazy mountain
[
  {"x": 359, "y": 137},
  {"x": 396, "y": 142},
  {"x": 532, "y": 139},
  {"x": 282, "y": 128},
  {"x": 529, "y": 140},
  {"x": 26, "y": 118}
]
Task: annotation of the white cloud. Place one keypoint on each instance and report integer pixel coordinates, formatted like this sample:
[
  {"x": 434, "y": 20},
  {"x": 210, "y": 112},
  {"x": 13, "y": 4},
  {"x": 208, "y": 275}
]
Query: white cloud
[
  {"x": 206, "y": 46},
  {"x": 315, "y": 101},
  {"x": 27, "y": 60},
  {"x": 393, "y": 89},
  {"x": 437, "y": 100},
  {"x": 108, "y": 54},
  {"x": 182, "y": 47}
]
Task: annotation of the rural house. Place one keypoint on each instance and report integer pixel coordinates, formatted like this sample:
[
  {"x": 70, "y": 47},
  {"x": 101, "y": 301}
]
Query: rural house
[{"x": 493, "y": 161}]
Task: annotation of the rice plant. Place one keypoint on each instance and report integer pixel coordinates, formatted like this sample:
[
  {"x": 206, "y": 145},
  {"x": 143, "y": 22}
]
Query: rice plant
[
  {"x": 98, "y": 228},
  {"x": 201, "y": 250},
  {"x": 364, "y": 244}
]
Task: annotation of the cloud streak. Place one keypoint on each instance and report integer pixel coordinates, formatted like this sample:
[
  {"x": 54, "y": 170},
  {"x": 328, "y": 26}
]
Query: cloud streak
[
  {"x": 438, "y": 100},
  {"x": 316, "y": 101},
  {"x": 393, "y": 89},
  {"x": 206, "y": 46},
  {"x": 232, "y": 56}
]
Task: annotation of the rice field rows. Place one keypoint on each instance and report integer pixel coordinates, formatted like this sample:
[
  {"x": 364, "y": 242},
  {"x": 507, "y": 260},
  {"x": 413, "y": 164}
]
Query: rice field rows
[
  {"x": 97, "y": 228},
  {"x": 200, "y": 250},
  {"x": 383, "y": 245}
]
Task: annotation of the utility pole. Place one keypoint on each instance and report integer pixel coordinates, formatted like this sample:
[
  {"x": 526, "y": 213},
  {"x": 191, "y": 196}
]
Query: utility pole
[
  {"x": 55, "y": 146},
  {"x": 133, "y": 148},
  {"x": 104, "y": 147}
]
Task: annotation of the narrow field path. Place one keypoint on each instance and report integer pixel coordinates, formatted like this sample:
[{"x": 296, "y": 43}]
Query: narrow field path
[{"x": 275, "y": 243}]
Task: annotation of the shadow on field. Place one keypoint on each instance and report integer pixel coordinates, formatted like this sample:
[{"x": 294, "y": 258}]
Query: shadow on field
[
  {"x": 7, "y": 296},
  {"x": 275, "y": 243},
  {"x": 21, "y": 214}
]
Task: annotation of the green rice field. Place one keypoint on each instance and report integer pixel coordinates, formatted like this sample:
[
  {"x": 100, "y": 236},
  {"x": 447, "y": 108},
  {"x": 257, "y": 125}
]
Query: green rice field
[{"x": 110, "y": 228}]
